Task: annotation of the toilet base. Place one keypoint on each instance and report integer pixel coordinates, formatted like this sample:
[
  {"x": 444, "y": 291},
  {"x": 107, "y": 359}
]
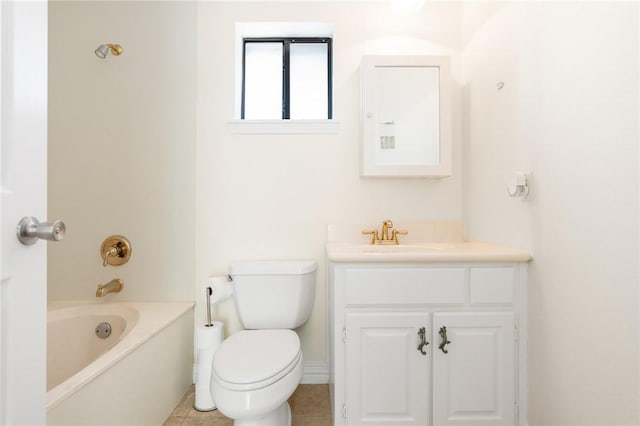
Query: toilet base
[{"x": 281, "y": 416}]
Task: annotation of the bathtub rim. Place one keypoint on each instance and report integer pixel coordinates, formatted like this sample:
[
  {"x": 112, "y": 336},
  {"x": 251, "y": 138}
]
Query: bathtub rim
[{"x": 153, "y": 317}]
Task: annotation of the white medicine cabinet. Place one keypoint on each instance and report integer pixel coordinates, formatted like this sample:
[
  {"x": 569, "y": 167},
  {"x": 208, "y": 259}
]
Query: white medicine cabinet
[{"x": 406, "y": 116}]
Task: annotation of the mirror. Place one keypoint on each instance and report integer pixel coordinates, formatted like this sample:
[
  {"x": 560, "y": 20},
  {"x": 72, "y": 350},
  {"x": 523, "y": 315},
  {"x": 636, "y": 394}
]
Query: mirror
[{"x": 406, "y": 116}]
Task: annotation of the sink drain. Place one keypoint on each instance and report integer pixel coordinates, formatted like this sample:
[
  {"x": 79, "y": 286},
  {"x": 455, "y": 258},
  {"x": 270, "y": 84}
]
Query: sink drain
[{"x": 103, "y": 330}]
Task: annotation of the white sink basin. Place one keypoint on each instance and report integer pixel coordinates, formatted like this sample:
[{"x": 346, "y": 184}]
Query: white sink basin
[
  {"x": 463, "y": 251},
  {"x": 400, "y": 248}
]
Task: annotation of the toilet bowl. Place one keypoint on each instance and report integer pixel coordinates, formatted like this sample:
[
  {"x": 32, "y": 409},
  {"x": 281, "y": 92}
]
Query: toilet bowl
[
  {"x": 255, "y": 373},
  {"x": 256, "y": 370}
]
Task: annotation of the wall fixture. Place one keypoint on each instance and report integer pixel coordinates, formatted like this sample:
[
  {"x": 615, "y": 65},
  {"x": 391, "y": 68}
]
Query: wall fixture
[
  {"x": 519, "y": 185},
  {"x": 102, "y": 51},
  {"x": 115, "y": 250}
]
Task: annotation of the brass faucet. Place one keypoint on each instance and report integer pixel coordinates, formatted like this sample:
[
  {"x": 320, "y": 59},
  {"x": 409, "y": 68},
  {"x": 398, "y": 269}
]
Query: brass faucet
[
  {"x": 385, "y": 239},
  {"x": 113, "y": 286},
  {"x": 115, "y": 250}
]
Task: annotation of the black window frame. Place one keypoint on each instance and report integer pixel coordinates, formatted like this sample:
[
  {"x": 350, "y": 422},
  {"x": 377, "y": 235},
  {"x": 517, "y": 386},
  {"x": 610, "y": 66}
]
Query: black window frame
[{"x": 286, "y": 43}]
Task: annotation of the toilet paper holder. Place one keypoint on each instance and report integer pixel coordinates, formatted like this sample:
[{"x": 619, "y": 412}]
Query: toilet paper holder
[
  {"x": 222, "y": 288},
  {"x": 207, "y": 340},
  {"x": 209, "y": 292}
]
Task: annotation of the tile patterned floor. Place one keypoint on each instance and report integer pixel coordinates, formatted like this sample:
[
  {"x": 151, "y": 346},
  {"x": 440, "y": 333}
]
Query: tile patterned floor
[{"x": 309, "y": 407}]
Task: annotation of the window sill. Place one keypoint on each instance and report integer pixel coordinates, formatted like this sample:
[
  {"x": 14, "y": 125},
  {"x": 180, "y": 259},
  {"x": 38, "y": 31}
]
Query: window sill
[{"x": 283, "y": 127}]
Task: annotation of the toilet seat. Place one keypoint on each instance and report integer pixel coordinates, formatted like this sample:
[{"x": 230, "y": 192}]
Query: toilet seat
[{"x": 253, "y": 359}]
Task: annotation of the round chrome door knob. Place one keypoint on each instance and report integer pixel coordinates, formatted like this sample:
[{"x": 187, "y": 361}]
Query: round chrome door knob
[{"x": 31, "y": 230}]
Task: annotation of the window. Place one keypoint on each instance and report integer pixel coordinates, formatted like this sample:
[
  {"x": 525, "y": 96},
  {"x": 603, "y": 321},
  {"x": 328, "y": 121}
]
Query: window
[{"x": 286, "y": 78}]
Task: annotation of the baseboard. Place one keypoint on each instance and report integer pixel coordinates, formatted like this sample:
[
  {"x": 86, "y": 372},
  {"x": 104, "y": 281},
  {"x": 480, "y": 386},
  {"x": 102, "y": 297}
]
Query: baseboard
[{"x": 315, "y": 373}]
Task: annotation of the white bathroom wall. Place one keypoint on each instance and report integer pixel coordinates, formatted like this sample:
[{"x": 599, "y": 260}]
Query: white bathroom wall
[
  {"x": 122, "y": 159},
  {"x": 272, "y": 196},
  {"x": 568, "y": 112},
  {"x": 122, "y": 146}
]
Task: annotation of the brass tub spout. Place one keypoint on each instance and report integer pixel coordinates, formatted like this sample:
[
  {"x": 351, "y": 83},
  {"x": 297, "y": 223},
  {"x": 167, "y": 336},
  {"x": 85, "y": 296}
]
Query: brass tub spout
[{"x": 113, "y": 286}]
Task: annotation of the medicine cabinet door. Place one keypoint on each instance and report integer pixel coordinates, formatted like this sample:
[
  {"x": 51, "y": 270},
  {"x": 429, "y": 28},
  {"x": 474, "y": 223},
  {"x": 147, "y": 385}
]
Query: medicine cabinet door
[{"x": 406, "y": 122}]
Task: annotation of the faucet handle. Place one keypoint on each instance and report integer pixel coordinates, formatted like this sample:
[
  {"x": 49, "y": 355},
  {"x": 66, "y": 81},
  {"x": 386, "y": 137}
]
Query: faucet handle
[
  {"x": 373, "y": 232},
  {"x": 111, "y": 252},
  {"x": 115, "y": 250},
  {"x": 395, "y": 233}
]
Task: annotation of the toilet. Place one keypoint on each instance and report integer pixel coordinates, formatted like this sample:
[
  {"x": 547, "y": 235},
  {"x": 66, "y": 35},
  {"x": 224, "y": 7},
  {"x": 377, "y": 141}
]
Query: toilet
[{"x": 256, "y": 370}]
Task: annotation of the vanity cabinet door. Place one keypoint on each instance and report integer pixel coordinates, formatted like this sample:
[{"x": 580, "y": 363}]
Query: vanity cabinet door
[
  {"x": 387, "y": 377},
  {"x": 473, "y": 382}
]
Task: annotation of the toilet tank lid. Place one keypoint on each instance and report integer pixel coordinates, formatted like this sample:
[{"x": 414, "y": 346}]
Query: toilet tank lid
[{"x": 272, "y": 267}]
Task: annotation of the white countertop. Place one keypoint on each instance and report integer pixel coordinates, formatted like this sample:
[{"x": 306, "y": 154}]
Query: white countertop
[{"x": 463, "y": 251}]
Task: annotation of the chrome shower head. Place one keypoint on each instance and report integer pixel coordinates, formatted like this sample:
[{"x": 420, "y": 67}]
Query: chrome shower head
[{"x": 102, "y": 51}]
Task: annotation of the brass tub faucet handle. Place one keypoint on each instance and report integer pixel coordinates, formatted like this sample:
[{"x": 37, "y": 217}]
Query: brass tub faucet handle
[{"x": 115, "y": 250}]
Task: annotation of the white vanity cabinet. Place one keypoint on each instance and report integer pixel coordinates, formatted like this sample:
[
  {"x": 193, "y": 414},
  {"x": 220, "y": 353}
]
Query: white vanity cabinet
[{"x": 381, "y": 375}]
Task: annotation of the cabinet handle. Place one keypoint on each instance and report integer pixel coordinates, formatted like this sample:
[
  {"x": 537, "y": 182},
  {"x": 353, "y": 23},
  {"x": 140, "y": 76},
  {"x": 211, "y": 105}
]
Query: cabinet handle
[
  {"x": 443, "y": 334},
  {"x": 423, "y": 341}
]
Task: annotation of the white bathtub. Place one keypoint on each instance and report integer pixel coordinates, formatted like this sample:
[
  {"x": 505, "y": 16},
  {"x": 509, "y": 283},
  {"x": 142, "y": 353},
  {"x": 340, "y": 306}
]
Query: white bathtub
[{"x": 136, "y": 376}]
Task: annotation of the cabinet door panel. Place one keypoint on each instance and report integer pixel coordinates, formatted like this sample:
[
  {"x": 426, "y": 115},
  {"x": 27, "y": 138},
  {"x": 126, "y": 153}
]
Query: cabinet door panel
[
  {"x": 474, "y": 383},
  {"x": 387, "y": 377}
]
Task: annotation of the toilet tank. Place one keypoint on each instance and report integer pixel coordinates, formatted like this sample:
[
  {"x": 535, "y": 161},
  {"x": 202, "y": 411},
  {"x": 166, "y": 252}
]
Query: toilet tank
[{"x": 274, "y": 293}]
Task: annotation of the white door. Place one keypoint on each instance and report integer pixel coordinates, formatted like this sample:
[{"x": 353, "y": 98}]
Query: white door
[
  {"x": 473, "y": 374},
  {"x": 23, "y": 171},
  {"x": 387, "y": 376}
]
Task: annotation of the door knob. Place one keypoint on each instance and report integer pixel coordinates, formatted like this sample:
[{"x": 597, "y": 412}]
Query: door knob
[{"x": 31, "y": 230}]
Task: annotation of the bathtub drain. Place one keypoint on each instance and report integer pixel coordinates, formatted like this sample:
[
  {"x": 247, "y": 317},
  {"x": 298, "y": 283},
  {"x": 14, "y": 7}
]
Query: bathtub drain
[{"x": 103, "y": 330}]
